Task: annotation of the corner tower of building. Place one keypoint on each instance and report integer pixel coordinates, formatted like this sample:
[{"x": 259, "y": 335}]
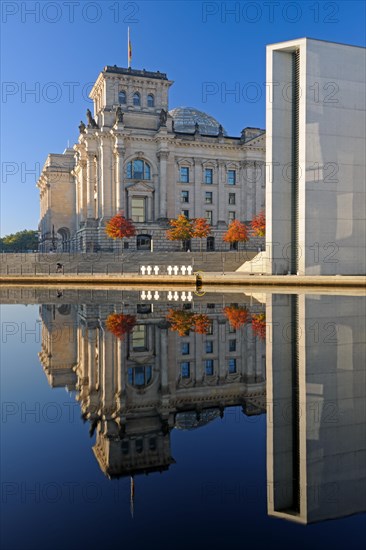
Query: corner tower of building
[{"x": 140, "y": 94}]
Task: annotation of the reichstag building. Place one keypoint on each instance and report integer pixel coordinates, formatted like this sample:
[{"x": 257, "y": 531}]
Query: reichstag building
[{"x": 137, "y": 156}]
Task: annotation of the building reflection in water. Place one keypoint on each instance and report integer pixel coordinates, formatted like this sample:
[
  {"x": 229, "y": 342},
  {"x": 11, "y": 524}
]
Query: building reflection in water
[
  {"x": 135, "y": 389},
  {"x": 316, "y": 421}
]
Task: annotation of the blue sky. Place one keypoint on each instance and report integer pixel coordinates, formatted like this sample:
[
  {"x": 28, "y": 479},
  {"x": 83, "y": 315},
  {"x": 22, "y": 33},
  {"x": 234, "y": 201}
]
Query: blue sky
[{"x": 52, "y": 51}]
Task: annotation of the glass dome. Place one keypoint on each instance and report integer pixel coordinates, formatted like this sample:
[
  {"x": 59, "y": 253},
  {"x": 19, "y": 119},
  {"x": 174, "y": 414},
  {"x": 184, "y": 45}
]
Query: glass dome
[{"x": 185, "y": 119}]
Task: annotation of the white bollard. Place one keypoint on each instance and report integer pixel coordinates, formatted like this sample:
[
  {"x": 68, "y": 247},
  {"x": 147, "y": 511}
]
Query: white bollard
[
  {"x": 149, "y": 295},
  {"x": 148, "y": 269},
  {"x": 175, "y": 269},
  {"x": 176, "y": 296},
  {"x": 183, "y": 296},
  {"x": 169, "y": 269},
  {"x": 156, "y": 270},
  {"x": 189, "y": 270},
  {"x": 170, "y": 295},
  {"x": 143, "y": 295},
  {"x": 183, "y": 269},
  {"x": 143, "y": 269},
  {"x": 189, "y": 296},
  {"x": 156, "y": 295}
]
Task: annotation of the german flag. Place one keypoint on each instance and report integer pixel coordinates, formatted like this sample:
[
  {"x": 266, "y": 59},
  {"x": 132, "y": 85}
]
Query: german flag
[{"x": 129, "y": 46}]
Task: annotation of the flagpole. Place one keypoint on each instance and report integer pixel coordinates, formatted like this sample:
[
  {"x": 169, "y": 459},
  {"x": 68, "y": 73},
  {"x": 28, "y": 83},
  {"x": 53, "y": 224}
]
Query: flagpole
[{"x": 128, "y": 48}]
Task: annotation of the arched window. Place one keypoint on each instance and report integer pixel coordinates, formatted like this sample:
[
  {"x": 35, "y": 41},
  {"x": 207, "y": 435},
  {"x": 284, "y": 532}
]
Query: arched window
[
  {"x": 150, "y": 100},
  {"x": 136, "y": 99},
  {"x": 122, "y": 98},
  {"x": 138, "y": 169}
]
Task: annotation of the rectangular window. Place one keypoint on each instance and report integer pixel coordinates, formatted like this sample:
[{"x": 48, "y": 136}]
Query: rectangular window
[
  {"x": 208, "y": 215},
  {"x": 231, "y": 216},
  {"x": 144, "y": 308},
  {"x": 184, "y": 174},
  {"x": 208, "y": 197},
  {"x": 232, "y": 330},
  {"x": 185, "y": 369},
  {"x": 232, "y": 345},
  {"x": 210, "y": 329},
  {"x": 185, "y": 213},
  {"x": 139, "y": 340},
  {"x": 185, "y": 196},
  {"x": 138, "y": 209},
  {"x": 208, "y": 176},
  {"x": 231, "y": 198},
  {"x": 209, "y": 367},
  {"x": 232, "y": 365},
  {"x": 185, "y": 348},
  {"x": 231, "y": 177},
  {"x": 209, "y": 346}
]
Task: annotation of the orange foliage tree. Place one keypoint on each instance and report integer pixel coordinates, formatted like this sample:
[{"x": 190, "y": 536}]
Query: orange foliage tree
[
  {"x": 237, "y": 316},
  {"x": 237, "y": 232},
  {"x": 180, "y": 320},
  {"x": 119, "y": 227},
  {"x": 201, "y": 229},
  {"x": 258, "y": 224},
  {"x": 181, "y": 229},
  {"x": 201, "y": 323},
  {"x": 259, "y": 325},
  {"x": 183, "y": 321},
  {"x": 119, "y": 324}
]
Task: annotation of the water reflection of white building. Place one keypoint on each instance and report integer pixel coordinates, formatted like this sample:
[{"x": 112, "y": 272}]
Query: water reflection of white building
[
  {"x": 316, "y": 419},
  {"x": 135, "y": 390}
]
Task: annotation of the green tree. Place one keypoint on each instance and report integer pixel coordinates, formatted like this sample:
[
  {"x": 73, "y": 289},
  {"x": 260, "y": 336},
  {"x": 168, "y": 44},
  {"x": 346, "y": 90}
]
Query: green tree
[{"x": 22, "y": 240}]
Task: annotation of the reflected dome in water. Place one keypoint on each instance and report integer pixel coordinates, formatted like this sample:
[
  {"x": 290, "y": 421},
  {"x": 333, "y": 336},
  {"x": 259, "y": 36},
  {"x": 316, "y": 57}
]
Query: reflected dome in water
[
  {"x": 185, "y": 119},
  {"x": 189, "y": 421}
]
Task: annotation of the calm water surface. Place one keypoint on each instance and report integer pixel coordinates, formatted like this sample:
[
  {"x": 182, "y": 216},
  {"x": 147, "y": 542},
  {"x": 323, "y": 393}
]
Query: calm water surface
[{"x": 171, "y": 420}]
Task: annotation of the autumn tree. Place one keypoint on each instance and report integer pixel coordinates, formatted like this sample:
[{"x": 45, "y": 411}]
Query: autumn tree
[
  {"x": 237, "y": 316},
  {"x": 182, "y": 229},
  {"x": 120, "y": 324},
  {"x": 120, "y": 227},
  {"x": 180, "y": 321},
  {"x": 201, "y": 323},
  {"x": 259, "y": 325},
  {"x": 183, "y": 322},
  {"x": 201, "y": 229},
  {"x": 258, "y": 224},
  {"x": 237, "y": 232}
]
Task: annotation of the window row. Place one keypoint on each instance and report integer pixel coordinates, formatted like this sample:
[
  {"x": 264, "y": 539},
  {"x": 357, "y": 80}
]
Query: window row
[
  {"x": 209, "y": 215},
  {"x": 208, "y": 197},
  {"x": 207, "y": 177},
  {"x": 139, "y": 445},
  {"x": 136, "y": 99},
  {"x": 209, "y": 367},
  {"x": 209, "y": 347}
]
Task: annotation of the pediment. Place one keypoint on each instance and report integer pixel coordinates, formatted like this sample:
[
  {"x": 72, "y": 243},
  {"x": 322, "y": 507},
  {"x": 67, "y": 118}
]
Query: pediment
[
  {"x": 141, "y": 186},
  {"x": 258, "y": 141}
]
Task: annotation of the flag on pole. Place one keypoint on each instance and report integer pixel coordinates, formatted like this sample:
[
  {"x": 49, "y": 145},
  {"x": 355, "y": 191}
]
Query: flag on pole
[{"x": 129, "y": 47}]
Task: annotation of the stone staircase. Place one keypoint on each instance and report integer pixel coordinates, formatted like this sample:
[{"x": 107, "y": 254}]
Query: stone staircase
[{"x": 128, "y": 262}]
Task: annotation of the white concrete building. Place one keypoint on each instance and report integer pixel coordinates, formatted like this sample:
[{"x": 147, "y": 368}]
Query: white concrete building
[{"x": 315, "y": 158}]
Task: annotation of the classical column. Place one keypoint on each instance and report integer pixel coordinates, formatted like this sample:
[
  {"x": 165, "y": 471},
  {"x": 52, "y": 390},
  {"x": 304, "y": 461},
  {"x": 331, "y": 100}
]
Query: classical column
[
  {"x": 221, "y": 193},
  {"x": 90, "y": 180},
  {"x": 106, "y": 178},
  {"x": 197, "y": 211},
  {"x": 120, "y": 193},
  {"x": 163, "y": 157}
]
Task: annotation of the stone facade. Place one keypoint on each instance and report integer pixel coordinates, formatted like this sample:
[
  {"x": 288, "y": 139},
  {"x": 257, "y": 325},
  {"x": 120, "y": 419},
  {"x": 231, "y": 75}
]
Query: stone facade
[{"x": 136, "y": 157}]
